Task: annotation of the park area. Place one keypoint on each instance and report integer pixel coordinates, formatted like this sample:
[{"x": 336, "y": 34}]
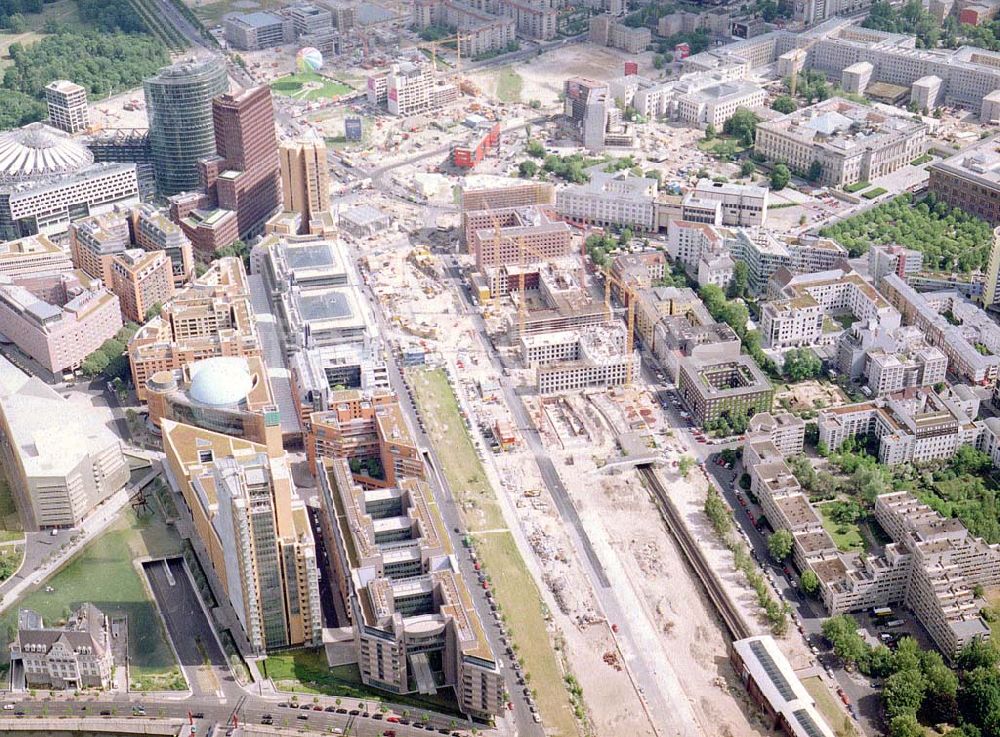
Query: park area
[
  {"x": 306, "y": 672},
  {"x": 515, "y": 590},
  {"x": 104, "y": 573},
  {"x": 310, "y": 86},
  {"x": 949, "y": 239}
]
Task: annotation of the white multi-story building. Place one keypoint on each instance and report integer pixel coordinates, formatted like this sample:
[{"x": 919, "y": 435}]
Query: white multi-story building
[
  {"x": 851, "y": 142},
  {"x": 743, "y": 205},
  {"x": 619, "y": 199},
  {"x": 67, "y": 105},
  {"x": 259, "y": 30},
  {"x": 409, "y": 89},
  {"x": 796, "y": 316},
  {"x": 595, "y": 357},
  {"x": 912, "y": 426},
  {"x": 688, "y": 242},
  {"x": 59, "y": 464}
]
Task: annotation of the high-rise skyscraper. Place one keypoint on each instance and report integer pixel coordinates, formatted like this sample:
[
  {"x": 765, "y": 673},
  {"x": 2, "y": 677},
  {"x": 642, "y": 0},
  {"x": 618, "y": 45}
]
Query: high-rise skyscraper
[
  {"x": 181, "y": 130},
  {"x": 305, "y": 178},
  {"x": 67, "y": 104},
  {"x": 244, "y": 174},
  {"x": 254, "y": 528}
]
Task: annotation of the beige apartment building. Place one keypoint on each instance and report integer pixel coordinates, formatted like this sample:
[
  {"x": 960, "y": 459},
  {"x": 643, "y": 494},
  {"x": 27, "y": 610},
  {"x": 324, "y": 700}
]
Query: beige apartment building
[
  {"x": 67, "y": 106},
  {"x": 364, "y": 427},
  {"x": 254, "y": 530},
  {"x": 414, "y": 627},
  {"x": 34, "y": 255},
  {"x": 152, "y": 230},
  {"x": 211, "y": 317},
  {"x": 517, "y": 235},
  {"x": 143, "y": 281},
  {"x": 94, "y": 242}
]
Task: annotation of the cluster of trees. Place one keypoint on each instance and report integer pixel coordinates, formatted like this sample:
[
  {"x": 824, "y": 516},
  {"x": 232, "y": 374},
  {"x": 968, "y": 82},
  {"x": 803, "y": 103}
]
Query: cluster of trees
[
  {"x": 102, "y": 63},
  {"x": 780, "y": 176},
  {"x": 568, "y": 168},
  {"x": 237, "y": 248},
  {"x": 780, "y": 544},
  {"x": 985, "y": 36},
  {"x": 698, "y": 41},
  {"x": 735, "y": 314},
  {"x": 919, "y": 688},
  {"x": 959, "y": 487},
  {"x": 431, "y": 32},
  {"x": 729, "y": 422},
  {"x": 802, "y": 364},
  {"x": 599, "y": 246},
  {"x": 111, "y": 16},
  {"x": 17, "y": 109},
  {"x": 949, "y": 238},
  {"x": 784, "y": 104},
  {"x": 811, "y": 85},
  {"x": 909, "y": 18},
  {"x": 742, "y": 126},
  {"x": 12, "y": 14},
  {"x": 110, "y": 360}
]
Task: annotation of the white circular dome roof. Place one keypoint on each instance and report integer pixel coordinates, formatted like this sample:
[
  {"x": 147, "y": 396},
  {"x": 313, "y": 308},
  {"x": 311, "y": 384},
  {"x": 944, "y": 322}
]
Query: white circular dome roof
[
  {"x": 37, "y": 150},
  {"x": 220, "y": 381}
]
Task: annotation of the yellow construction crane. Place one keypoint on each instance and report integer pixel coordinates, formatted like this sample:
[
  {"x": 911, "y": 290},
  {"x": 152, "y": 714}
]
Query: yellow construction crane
[
  {"x": 627, "y": 297},
  {"x": 433, "y": 46}
]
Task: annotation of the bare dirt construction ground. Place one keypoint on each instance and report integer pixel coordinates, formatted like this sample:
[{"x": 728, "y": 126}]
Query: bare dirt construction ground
[
  {"x": 543, "y": 76},
  {"x": 810, "y": 395}
]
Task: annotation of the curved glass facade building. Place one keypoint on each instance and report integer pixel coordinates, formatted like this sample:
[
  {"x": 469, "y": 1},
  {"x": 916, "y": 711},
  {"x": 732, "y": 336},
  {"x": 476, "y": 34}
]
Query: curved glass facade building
[{"x": 179, "y": 105}]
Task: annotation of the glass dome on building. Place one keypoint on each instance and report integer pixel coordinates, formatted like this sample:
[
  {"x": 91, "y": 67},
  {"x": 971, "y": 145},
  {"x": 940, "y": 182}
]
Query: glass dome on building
[
  {"x": 38, "y": 151},
  {"x": 220, "y": 382}
]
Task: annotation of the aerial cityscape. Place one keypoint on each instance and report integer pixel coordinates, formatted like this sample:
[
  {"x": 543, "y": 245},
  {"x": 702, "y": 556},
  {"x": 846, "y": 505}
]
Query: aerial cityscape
[{"x": 515, "y": 368}]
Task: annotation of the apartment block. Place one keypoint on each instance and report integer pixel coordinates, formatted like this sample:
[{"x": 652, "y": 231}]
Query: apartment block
[
  {"x": 711, "y": 390},
  {"x": 653, "y": 304},
  {"x": 783, "y": 430},
  {"x": 72, "y": 656},
  {"x": 536, "y": 20},
  {"x": 888, "y": 373},
  {"x": 690, "y": 241},
  {"x": 413, "y": 623},
  {"x": 605, "y": 30},
  {"x": 852, "y": 142},
  {"x": 893, "y": 259},
  {"x": 594, "y": 357},
  {"x": 368, "y": 429},
  {"x": 970, "y": 339},
  {"x": 96, "y": 240},
  {"x": 797, "y": 315},
  {"x": 32, "y": 256},
  {"x": 479, "y": 32},
  {"x": 57, "y": 320},
  {"x": 517, "y": 235},
  {"x": 67, "y": 106},
  {"x": 143, "y": 281},
  {"x": 764, "y": 253},
  {"x": 60, "y": 466},
  {"x": 970, "y": 180},
  {"x": 611, "y": 199},
  {"x": 211, "y": 317},
  {"x": 694, "y": 335},
  {"x": 152, "y": 230},
  {"x": 714, "y": 104},
  {"x": 253, "y": 530},
  {"x": 912, "y": 426}
]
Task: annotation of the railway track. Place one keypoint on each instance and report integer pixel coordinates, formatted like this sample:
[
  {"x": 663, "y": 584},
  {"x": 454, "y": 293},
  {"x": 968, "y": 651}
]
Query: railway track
[{"x": 730, "y": 615}]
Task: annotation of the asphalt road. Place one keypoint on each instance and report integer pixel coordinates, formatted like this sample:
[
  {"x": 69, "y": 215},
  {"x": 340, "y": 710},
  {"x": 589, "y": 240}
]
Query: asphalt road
[{"x": 189, "y": 629}]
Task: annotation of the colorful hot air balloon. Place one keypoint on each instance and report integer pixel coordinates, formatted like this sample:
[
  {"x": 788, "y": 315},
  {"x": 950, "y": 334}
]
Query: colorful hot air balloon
[{"x": 309, "y": 59}]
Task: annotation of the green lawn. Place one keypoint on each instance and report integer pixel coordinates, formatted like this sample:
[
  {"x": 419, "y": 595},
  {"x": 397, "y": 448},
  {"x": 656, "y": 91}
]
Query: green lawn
[
  {"x": 847, "y": 537},
  {"x": 104, "y": 574},
  {"x": 10, "y": 522},
  {"x": 509, "y": 84},
  {"x": 826, "y": 704},
  {"x": 211, "y": 13},
  {"x": 306, "y": 671},
  {"x": 513, "y": 586},
  {"x": 462, "y": 468},
  {"x": 857, "y": 186},
  {"x": 310, "y": 86}
]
